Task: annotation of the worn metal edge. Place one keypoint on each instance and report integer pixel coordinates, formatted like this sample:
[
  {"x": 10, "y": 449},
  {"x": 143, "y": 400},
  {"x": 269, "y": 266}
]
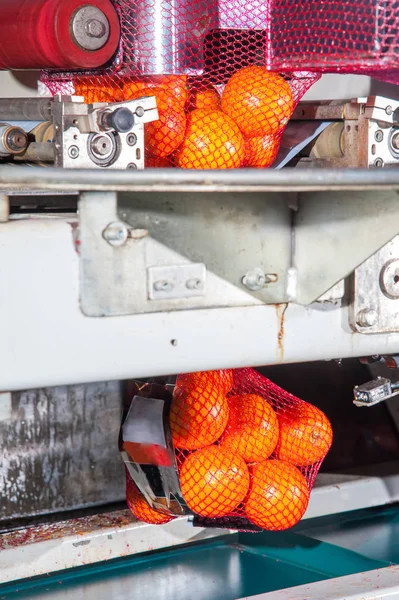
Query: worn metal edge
[{"x": 238, "y": 180}]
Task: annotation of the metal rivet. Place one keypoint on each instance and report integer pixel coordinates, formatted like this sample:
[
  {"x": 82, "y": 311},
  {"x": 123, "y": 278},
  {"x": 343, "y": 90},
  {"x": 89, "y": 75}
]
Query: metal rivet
[
  {"x": 379, "y": 162},
  {"x": 163, "y": 286},
  {"x": 140, "y": 111},
  {"x": 254, "y": 280},
  {"x": 389, "y": 279},
  {"x": 131, "y": 139},
  {"x": 389, "y": 110},
  {"x": 194, "y": 284},
  {"x": 116, "y": 234},
  {"x": 367, "y": 317},
  {"x": 131, "y": 166},
  {"x": 378, "y": 136},
  {"x": 73, "y": 152}
]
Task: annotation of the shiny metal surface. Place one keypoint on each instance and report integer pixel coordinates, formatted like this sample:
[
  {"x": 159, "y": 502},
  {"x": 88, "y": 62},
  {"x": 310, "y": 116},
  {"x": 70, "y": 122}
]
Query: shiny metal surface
[{"x": 90, "y": 28}]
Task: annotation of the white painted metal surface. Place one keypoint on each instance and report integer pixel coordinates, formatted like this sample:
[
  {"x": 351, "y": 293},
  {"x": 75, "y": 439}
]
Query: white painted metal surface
[
  {"x": 46, "y": 340},
  {"x": 372, "y": 585}
]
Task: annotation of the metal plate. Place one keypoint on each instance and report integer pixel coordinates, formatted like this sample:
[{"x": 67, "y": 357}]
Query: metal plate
[{"x": 374, "y": 307}]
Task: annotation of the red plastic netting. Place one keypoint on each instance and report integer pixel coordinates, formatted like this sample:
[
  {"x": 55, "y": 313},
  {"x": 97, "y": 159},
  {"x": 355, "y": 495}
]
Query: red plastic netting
[
  {"x": 245, "y": 448},
  {"x": 219, "y": 104}
]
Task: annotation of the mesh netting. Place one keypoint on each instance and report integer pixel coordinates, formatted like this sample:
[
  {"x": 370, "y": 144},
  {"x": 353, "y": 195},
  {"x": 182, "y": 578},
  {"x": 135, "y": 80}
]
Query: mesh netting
[
  {"x": 224, "y": 108},
  {"x": 245, "y": 448},
  {"x": 140, "y": 507}
]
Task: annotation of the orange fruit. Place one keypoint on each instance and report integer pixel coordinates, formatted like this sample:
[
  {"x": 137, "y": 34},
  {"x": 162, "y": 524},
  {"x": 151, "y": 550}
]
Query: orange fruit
[
  {"x": 174, "y": 86},
  {"x": 156, "y": 162},
  {"x": 252, "y": 428},
  {"x": 305, "y": 434},
  {"x": 197, "y": 417},
  {"x": 140, "y": 507},
  {"x": 212, "y": 141},
  {"x": 95, "y": 94},
  {"x": 261, "y": 151},
  {"x": 259, "y": 101},
  {"x": 213, "y": 482},
  {"x": 162, "y": 137},
  {"x": 278, "y": 497},
  {"x": 222, "y": 380},
  {"x": 206, "y": 98}
]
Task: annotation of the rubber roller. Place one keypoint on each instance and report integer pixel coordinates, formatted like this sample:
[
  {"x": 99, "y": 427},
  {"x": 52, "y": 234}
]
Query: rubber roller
[{"x": 57, "y": 34}]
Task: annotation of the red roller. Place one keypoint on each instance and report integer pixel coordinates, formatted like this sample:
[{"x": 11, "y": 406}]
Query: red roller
[{"x": 57, "y": 34}]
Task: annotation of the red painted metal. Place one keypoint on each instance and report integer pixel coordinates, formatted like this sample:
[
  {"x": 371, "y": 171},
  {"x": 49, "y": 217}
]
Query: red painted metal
[{"x": 36, "y": 34}]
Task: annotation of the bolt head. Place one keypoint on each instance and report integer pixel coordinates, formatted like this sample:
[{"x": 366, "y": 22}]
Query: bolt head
[
  {"x": 378, "y": 136},
  {"x": 95, "y": 28},
  {"x": 194, "y": 284},
  {"x": 116, "y": 234},
  {"x": 73, "y": 152},
  {"x": 163, "y": 286},
  {"x": 367, "y": 317},
  {"x": 254, "y": 280}
]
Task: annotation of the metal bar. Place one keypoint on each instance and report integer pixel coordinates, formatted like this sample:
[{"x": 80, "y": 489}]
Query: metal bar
[
  {"x": 43, "y": 287},
  {"x": 38, "y": 152},
  {"x": 25, "y": 109},
  {"x": 240, "y": 180}
]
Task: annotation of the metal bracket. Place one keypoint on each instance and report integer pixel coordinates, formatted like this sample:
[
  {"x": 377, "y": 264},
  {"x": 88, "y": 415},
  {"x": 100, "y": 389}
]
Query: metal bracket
[
  {"x": 4, "y": 208},
  {"x": 375, "y": 292}
]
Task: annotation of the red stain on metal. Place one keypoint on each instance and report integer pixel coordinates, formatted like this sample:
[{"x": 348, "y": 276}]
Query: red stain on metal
[
  {"x": 280, "y": 311},
  {"x": 73, "y": 527}
]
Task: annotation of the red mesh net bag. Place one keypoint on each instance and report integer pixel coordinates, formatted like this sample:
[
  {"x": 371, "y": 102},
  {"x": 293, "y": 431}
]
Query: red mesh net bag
[
  {"x": 208, "y": 65},
  {"x": 245, "y": 448}
]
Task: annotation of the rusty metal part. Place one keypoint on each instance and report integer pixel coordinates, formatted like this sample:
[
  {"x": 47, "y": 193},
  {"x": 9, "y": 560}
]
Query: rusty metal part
[{"x": 56, "y": 446}]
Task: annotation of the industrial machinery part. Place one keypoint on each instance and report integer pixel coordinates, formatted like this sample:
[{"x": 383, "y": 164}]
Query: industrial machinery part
[
  {"x": 76, "y": 135},
  {"x": 375, "y": 391},
  {"x": 54, "y": 34},
  {"x": 360, "y": 133}
]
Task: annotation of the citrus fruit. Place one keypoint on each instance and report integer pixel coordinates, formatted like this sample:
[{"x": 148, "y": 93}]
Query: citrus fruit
[
  {"x": 206, "y": 98},
  {"x": 198, "y": 416},
  {"x": 213, "y": 481},
  {"x": 252, "y": 428},
  {"x": 259, "y": 101},
  {"x": 305, "y": 434},
  {"x": 261, "y": 151},
  {"x": 222, "y": 380},
  {"x": 140, "y": 507},
  {"x": 157, "y": 162},
  {"x": 212, "y": 141},
  {"x": 174, "y": 86},
  {"x": 94, "y": 94},
  {"x": 278, "y": 495}
]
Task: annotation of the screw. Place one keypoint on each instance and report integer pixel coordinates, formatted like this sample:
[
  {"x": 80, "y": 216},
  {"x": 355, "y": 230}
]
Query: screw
[
  {"x": 367, "y": 317},
  {"x": 131, "y": 139},
  {"x": 140, "y": 111},
  {"x": 116, "y": 234},
  {"x": 163, "y": 286},
  {"x": 254, "y": 280},
  {"x": 389, "y": 279},
  {"x": 73, "y": 152},
  {"x": 379, "y": 162},
  {"x": 389, "y": 110},
  {"x": 395, "y": 141},
  {"x": 378, "y": 136},
  {"x": 101, "y": 145},
  {"x": 194, "y": 284},
  {"x": 95, "y": 28},
  {"x": 131, "y": 166}
]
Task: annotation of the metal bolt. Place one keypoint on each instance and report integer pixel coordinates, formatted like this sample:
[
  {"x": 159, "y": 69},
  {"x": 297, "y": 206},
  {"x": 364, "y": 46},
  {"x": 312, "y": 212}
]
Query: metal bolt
[
  {"x": 378, "y": 136},
  {"x": 395, "y": 141},
  {"x": 194, "y": 284},
  {"x": 389, "y": 110},
  {"x": 389, "y": 279},
  {"x": 163, "y": 286},
  {"x": 367, "y": 317},
  {"x": 254, "y": 279},
  {"x": 116, "y": 234},
  {"x": 94, "y": 28},
  {"x": 379, "y": 162},
  {"x": 101, "y": 145},
  {"x": 73, "y": 152},
  {"x": 90, "y": 28},
  {"x": 131, "y": 139},
  {"x": 140, "y": 111}
]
